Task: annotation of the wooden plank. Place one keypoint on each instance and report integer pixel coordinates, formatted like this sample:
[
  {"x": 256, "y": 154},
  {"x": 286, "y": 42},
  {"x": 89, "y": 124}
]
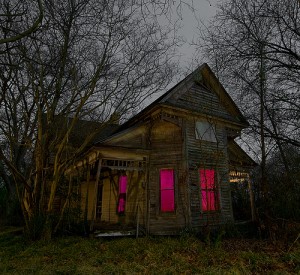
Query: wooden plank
[
  {"x": 116, "y": 234},
  {"x": 202, "y": 100}
]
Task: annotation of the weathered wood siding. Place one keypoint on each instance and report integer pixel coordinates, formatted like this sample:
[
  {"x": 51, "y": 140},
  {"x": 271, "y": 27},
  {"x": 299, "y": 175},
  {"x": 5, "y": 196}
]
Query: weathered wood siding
[
  {"x": 166, "y": 143},
  {"x": 205, "y": 154},
  {"x": 208, "y": 155},
  {"x": 109, "y": 198},
  {"x": 201, "y": 100},
  {"x": 87, "y": 198}
]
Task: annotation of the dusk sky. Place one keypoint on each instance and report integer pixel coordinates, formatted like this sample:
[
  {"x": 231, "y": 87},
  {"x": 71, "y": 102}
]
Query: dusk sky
[
  {"x": 189, "y": 21},
  {"x": 204, "y": 10}
]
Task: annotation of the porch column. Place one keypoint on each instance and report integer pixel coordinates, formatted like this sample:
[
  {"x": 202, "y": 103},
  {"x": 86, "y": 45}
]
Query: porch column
[
  {"x": 94, "y": 213},
  {"x": 253, "y": 215}
]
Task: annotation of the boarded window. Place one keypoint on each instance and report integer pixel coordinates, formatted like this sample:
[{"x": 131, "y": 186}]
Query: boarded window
[
  {"x": 209, "y": 192},
  {"x": 167, "y": 192},
  {"x": 122, "y": 194},
  {"x": 205, "y": 131}
]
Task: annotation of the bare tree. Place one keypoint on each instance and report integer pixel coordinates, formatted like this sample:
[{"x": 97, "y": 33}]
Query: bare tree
[
  {"x": 233, "y": 41},
  {"x": 88, "y": 58},
  {"x": 13, "y": 12},
  {"x": 253, "y": 46}
]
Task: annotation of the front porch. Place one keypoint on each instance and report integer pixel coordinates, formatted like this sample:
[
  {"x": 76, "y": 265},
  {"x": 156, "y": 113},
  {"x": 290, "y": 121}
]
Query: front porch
[{"x": 113, "y": 191}]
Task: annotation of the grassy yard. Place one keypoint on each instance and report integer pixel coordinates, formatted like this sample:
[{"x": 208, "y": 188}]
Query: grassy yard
[{"x": 159, "y": 255}]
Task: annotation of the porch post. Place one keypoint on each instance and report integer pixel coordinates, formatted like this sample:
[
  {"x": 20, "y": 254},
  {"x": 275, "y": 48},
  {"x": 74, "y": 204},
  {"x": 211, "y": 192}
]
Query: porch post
[
  {"x": 251, "y": 198},
  {"x": 94, "y": 213}
]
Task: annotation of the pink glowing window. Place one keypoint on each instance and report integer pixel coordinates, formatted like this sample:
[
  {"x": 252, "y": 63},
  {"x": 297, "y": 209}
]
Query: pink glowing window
[
  {"x": 209, "y": 192},
  {"x": 167, "y": 202},
  {"x": 122, "y": 194}
]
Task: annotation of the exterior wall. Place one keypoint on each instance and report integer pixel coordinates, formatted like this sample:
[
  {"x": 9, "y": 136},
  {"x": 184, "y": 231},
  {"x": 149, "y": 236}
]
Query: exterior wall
[
  {"x": 166, "y": 143},
  {"x": 109, "y": 199},
  {"x": 87, "y": 198},
  {"x": 208, "y": 155},
  {"x": 201, "y": 100},
  {"x": 203, "y": 154}
]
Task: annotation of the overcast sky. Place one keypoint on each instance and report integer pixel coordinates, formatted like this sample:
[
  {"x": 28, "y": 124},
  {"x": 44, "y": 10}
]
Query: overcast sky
[{"x": 204, "y": 10}]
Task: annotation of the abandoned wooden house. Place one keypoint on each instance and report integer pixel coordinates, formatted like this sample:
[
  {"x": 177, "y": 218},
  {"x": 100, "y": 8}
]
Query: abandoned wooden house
[{"x": 169, "y": 167}]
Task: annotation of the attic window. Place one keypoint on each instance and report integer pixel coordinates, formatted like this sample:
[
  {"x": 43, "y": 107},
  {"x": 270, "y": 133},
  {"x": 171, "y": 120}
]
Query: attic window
[
  {"x": 122, "y": 194},
  {"x": 205, "y": 131},
  {"x": 167, "y": 201},
  {"x": 209, "y": 192}
]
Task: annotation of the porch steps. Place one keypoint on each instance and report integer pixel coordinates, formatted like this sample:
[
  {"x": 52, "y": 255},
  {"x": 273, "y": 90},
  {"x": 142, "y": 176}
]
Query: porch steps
[
  {"x": 101, "y": 233},
  {"x": 126, "y": 233}
]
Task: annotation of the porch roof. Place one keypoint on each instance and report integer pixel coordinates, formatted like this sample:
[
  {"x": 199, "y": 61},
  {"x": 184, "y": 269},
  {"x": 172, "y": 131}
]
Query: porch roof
[
  {"x": 122, "y": 156},
  {"x": 239, "y": 160}
]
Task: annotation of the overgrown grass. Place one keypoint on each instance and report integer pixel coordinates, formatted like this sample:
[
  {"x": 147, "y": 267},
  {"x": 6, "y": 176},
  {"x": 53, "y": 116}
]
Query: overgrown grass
[{"x": 159, "y": 255}]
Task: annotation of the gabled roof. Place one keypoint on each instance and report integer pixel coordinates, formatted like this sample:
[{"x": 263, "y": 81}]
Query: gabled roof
[
  {"x": 82, "y": 129},
  {"x": 209, "y": 84},
  {"x": 204, "y": 77}
]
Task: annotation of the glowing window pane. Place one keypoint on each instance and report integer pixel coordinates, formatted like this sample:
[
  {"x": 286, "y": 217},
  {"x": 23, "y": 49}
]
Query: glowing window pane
[
  {"x": 122, "y": 184},
  {"x": 207, "y": 177},
  {"x": 208, "y": 190},
  {"x": 167, "y": 202},
  {"x": 122, "y": 194}
]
